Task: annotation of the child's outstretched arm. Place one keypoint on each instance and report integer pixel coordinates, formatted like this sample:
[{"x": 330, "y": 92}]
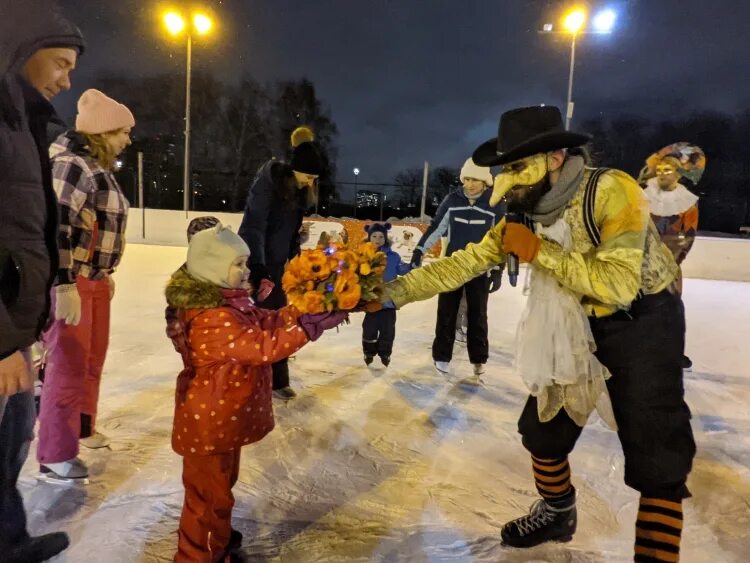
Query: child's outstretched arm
[
  {"x": 219, "y": 336},
  {"x": 271, "y": 319}
]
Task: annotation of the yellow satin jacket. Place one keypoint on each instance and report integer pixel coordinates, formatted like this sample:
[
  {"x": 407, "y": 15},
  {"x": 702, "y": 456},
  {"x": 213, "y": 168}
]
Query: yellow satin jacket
[{"x": 630, "y": 259}]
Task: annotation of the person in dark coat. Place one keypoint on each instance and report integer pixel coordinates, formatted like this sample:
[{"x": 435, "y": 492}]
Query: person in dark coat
[
  {"x": 38, "y": 50},
  {"x": 379, "y": 327},
  {"x": 279, "y": 196},
  {"x": 464, "y": 216}
]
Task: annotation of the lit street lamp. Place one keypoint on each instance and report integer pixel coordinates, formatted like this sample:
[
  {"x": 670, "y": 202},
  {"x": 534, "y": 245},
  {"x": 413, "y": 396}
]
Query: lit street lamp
[
  {"x": 573, "y": 23},
  {"x": 199, "y": 24}
]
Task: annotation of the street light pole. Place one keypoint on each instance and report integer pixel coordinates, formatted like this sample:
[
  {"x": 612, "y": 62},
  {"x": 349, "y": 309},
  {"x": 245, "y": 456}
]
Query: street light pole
[
  {"x": 186, "y": 172},
  {"x": 569, "y": 109},
  {"x": 356, "y": 190}
]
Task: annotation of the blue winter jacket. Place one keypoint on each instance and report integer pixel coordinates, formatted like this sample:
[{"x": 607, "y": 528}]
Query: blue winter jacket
[
  {"x": 460, "y": 221},
  {"x": 394, "y": 267}
]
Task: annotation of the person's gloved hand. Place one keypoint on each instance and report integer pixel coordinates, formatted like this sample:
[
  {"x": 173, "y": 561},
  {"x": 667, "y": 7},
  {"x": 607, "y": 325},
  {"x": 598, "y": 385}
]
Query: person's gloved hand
[
  {"x": 315, "y": 324},
  {"x": 496, "y": 279},
  {"x": 519, "y": 240},
  {"x": 264, "y": 290},
  {"x": 68, "y": 304},
  {"x": 372, "y": 307},
  {"x": 111, "y": 287},
  {"x": 416, "y": 259}
]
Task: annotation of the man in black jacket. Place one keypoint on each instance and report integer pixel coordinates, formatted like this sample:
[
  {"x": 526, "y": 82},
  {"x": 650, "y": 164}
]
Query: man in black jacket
[
  {"x": 38, "y": 50},
  {"x": 464, "y": 216}
]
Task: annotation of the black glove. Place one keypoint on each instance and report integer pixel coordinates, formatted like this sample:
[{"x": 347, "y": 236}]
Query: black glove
[
  {"x": 416, "y": 259},
  {"x": 496, "y": 280}
]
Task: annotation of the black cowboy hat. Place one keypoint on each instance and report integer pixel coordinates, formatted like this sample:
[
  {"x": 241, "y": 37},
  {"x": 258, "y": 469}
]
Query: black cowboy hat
[{"x": 523, "y": 132}]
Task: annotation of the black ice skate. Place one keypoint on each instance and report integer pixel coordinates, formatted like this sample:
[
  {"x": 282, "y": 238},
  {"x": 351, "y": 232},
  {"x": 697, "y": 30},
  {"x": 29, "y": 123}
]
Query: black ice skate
[
  {"x": 40, "y": 548},
  {"x": 546, "y": 521},
  {"x": 386, "y": 360},
  {"x": 235, "y": 540},
  {"x": 368, "y": 359}
]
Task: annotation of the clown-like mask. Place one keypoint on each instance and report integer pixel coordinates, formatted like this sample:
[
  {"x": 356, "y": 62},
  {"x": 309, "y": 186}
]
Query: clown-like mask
[
  {"x": 522, "y": 183},
  {"x": 667, "y": 176}
]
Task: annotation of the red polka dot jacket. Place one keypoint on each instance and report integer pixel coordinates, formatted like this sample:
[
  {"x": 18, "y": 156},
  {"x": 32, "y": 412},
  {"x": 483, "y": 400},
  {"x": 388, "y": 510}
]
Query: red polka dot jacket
[{"x": 223, "y": 398}]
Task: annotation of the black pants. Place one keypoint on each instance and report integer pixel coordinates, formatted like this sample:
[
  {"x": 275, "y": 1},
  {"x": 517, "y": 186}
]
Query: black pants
[
  {"x": 17, "y": 416},
  {"x": 378, "y": 333},
  {"x": 643, "y": 351},
  {"x": 276, "y": 301},
  {"x": 477, "y": 292}
]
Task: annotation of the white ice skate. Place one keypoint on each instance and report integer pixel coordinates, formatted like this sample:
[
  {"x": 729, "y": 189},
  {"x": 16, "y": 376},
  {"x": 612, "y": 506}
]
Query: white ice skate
[
  {"x": 478, "y": 369},
  {"x": 71, "y": 472},
  {"x": 98, "y": 440},
  {"x": 443, "y": 368}
]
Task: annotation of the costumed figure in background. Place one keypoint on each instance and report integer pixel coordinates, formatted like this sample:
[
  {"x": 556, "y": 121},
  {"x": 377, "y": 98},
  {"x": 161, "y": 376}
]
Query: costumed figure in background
[
  {"x": 602, "y": 317},
  {"x": 674, "y": 208}
]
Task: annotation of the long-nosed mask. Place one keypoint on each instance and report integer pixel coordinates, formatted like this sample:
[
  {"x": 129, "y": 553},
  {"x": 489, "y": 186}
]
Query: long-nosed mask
[{"x": 528, "y": 172}]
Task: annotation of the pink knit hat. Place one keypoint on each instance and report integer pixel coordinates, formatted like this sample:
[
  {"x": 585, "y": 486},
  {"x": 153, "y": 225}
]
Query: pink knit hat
[{"x": 98, "y": 113}]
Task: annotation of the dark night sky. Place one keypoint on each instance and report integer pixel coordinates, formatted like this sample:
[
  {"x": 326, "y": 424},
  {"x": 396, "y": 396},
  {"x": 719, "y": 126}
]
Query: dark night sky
[{"x": 414, "y": 80}]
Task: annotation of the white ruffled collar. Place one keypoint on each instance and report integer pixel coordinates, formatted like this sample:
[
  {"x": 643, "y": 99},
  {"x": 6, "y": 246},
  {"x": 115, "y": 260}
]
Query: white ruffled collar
[{"x": 666, "y": 204}]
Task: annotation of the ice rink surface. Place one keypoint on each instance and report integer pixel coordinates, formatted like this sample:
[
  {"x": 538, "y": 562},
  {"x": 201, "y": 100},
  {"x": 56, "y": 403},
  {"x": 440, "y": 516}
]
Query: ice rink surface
[{"x": 398, "y": 464}]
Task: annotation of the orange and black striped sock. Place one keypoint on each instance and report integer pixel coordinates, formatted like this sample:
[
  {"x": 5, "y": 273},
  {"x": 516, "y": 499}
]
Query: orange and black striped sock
[
  {"x": 552, "y": 477},
  {"x": 657, "y": 530}
]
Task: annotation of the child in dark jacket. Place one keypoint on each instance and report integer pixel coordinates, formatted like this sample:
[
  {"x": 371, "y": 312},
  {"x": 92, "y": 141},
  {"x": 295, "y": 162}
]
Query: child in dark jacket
[
  {"x": 223, "y": 399},
  {"x": 379, "y": 328}
]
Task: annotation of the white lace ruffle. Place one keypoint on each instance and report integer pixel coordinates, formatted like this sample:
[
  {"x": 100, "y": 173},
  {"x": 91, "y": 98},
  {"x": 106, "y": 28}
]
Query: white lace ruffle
[
  {"x": 555, "y": 348},
  {"x": 666, "y": 204}
]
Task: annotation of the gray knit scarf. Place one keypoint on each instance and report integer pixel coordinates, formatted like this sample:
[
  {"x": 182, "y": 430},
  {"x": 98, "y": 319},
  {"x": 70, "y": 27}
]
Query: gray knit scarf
[{"x": 553, "y": 203}]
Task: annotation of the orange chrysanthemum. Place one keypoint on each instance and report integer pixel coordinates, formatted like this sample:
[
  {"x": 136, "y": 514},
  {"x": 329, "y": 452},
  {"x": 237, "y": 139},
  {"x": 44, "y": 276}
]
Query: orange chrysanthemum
[
  {"x": 315, "y": 263},
  {"x": 313, "y": 302},
  {"x": 346, "y": 289}
]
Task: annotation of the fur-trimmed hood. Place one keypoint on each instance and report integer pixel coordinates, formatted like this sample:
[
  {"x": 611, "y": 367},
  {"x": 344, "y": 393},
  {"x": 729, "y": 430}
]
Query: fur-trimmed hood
[{"x": 185, "y": 292}]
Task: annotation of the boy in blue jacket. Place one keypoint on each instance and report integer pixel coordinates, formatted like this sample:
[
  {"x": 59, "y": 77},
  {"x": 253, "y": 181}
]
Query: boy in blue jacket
[{"x": 379, "y": 328}]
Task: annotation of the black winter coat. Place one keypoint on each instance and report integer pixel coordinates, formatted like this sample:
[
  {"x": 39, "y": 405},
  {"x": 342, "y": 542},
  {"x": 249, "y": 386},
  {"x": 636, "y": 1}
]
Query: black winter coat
[
  {"x": 271, "y": 223},
  {"x": 28, "y": 206}
]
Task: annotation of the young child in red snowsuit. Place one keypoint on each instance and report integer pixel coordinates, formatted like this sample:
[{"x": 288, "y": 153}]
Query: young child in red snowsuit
[{"x": 223, "y": 399}]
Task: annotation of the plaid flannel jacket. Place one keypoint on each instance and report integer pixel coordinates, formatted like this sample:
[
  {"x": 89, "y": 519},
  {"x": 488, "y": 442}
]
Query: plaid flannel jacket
[{"x": 93, "y": 212}]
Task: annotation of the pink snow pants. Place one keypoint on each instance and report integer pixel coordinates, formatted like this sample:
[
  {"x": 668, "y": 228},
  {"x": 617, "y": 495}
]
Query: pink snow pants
[{"x": 75, "y": 359}]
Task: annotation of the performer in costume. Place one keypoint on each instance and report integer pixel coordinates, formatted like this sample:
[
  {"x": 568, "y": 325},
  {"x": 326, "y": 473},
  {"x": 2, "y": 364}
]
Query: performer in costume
[
  {"x": 601, "y": 272},
  {"x": 674, "y": 208}
]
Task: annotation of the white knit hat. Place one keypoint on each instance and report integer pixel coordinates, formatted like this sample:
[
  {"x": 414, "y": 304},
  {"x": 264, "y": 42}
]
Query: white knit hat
[
  {"x": 211, "y": 253},
  {"x": 98, "y": 114},
  {"x": 471, "y": 170}
]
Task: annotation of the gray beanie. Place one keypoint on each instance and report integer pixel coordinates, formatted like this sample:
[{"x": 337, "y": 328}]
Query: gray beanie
[{"x": 211, "y": 253}]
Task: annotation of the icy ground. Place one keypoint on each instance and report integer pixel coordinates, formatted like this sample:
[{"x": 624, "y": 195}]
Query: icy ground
[{"x": 398, "y": 464}]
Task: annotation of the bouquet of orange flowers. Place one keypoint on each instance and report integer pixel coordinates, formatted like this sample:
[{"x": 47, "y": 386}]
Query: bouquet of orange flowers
[{"x": 335, "y": 278}]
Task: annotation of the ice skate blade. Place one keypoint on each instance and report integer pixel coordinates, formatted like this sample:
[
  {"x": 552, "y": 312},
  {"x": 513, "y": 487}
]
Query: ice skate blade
[
  {"x": 61, "y": 481},
  {"x": 561, "y": 539}
]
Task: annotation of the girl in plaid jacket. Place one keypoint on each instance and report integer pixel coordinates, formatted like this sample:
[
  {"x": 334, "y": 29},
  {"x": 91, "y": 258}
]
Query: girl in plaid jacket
[{"x": 91, "y": 238}]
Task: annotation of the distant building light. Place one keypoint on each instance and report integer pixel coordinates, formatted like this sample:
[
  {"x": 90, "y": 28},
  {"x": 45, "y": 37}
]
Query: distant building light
[{"x": 548, "y": 27}]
